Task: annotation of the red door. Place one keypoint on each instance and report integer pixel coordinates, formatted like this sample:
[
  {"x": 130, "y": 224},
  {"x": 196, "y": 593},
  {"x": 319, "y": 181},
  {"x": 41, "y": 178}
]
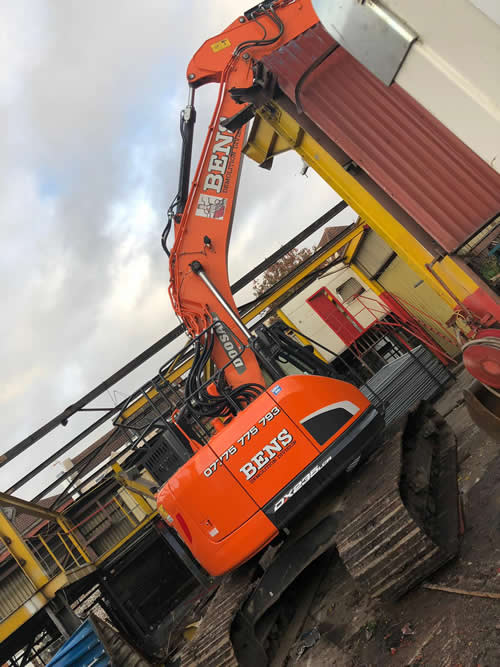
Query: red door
[{"x": 338, "y": 318}]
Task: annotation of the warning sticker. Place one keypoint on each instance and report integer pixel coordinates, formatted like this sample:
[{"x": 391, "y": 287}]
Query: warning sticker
[
  {"x": 211, "y": 207},
  {"x": 218, "y": 46}
]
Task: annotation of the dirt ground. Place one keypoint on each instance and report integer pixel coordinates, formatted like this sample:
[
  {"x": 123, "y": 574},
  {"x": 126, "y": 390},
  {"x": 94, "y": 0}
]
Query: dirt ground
[{"x": 426, "y": 627}]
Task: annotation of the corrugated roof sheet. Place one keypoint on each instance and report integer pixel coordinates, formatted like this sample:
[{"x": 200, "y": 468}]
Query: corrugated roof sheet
[
  {"x": 330, "y": 233},
  {"x": 423, "y": 166}
]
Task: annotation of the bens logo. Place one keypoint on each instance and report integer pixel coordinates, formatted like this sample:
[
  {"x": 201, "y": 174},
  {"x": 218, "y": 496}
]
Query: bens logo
[
  {"x": 219, "y": 159},
  {"x": 229, "y": 344},
  {"x": 266, "y": 454},
  {"x": 302, "y": 482}
]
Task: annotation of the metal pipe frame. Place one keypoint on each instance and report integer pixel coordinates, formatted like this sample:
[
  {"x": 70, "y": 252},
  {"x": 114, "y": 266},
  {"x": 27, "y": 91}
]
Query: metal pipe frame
[{"x": 28, "y": 507}]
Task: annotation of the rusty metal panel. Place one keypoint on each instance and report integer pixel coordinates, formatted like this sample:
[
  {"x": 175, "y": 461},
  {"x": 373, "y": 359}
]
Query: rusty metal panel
[{"x": 423, "y": 166}]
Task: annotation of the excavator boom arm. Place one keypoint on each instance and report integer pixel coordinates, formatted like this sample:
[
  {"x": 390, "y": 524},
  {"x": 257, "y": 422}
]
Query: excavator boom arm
[{"x": 199, "y": 283}]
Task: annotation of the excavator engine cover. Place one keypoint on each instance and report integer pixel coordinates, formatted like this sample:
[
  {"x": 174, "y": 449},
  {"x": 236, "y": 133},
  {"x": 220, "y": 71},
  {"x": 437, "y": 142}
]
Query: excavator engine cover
[{"x": 232, "y": 497}]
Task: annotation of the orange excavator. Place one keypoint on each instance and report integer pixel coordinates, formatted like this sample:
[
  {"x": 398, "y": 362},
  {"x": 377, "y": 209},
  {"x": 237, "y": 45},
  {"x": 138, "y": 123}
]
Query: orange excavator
[
  {"x": 256, "y": 446},
  {"x": 278, "y": 439}
]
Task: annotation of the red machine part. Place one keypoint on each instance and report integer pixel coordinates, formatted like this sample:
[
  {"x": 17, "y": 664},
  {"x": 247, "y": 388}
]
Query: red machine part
[{"x": 482, "y": 357}]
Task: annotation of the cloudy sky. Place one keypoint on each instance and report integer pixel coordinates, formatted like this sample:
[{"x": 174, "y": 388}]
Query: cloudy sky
[{"x": 90, "y": 94}]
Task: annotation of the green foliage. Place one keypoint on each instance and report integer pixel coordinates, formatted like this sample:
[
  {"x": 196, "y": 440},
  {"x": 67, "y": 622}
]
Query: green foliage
[{"x": 490, "y": 268}]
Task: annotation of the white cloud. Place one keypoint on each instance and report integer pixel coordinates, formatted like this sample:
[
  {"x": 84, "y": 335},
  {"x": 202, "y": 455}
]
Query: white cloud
[{"x": 21, "y": 41}]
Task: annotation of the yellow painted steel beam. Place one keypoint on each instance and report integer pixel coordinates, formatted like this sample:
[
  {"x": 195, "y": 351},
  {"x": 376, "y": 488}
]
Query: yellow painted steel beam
[
  {"x": 263, "y": 142},
  {"x": 302, "y": 339},
  {"x": 21, "y": 615},
  {"x": 296, "y": 278},
  {"x": 370, "y": 210},
  {"x": 139, "y": 492},
  {"x": 19, "y": 550},
  {"x": 27, "y": 507},
  {"x": 353, "y": 246},
  {"x": 40, "y": 598}
]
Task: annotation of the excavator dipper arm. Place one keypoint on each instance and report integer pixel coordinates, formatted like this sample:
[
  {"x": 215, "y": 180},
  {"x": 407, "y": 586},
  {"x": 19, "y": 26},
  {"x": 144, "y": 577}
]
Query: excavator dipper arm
[{"x": 199, "y": 282}]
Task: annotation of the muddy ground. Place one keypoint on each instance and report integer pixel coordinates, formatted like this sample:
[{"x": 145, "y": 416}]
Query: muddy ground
[{"x": 426, "y": 627}]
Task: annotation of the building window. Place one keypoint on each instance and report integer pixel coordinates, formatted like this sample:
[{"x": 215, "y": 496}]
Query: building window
[{"x": 350, "y": 289}]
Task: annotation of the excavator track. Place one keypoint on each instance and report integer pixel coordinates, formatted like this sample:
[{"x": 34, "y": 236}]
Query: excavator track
[
  {"x": 402, "y": 519},
  {"x": 398, "y": 523},
  {"x": 212, "y": 644}
]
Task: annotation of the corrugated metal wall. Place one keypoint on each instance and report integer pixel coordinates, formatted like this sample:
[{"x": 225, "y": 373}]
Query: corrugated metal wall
[
  {"x": 425, "y": 168},
  {"x": 16, "y": 589},
  {"x": 106, "y": 524},
  {"x": 110, "y": 529}
]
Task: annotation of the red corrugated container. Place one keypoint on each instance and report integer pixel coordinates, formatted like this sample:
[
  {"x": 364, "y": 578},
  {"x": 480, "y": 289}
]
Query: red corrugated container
[{"x": 423, "y": 166}]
